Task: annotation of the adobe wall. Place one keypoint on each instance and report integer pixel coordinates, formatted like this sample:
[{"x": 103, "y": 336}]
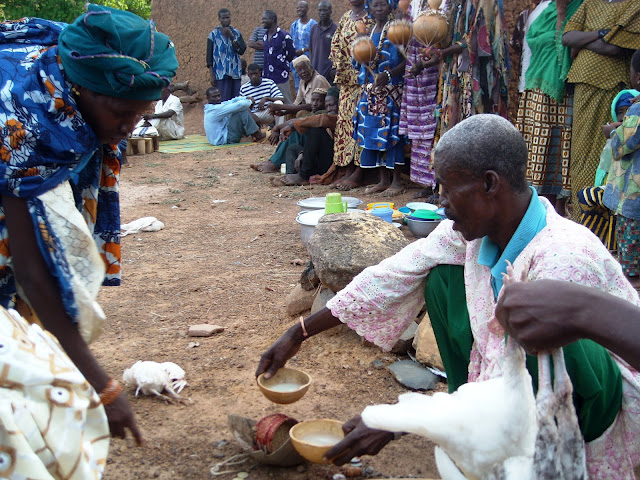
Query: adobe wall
[{"x": 189, "y": 22}]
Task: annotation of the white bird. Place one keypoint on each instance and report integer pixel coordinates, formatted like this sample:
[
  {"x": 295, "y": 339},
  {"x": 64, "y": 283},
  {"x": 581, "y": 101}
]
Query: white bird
[
  {"x": 496, "y": 429},
  {"x": 152, "y": 378}
]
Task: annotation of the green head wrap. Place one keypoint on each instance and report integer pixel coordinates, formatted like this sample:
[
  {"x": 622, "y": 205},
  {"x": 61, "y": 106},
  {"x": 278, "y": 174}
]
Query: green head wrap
[{"x": 118, "y": 54}]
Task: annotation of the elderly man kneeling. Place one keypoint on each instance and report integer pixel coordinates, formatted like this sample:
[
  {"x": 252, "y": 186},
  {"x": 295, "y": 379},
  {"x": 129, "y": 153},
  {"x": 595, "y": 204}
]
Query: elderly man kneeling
[{"x": 493, "y": 218}]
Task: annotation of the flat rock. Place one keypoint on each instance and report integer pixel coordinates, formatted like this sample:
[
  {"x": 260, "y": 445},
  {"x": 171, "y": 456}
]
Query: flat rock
[
  {"x": 344, "y": 244},
  {"x": 413, "y": 375},
  {"x": 424, "y": 342},
  {"x": 323, "y": 296},
  {"x": 299, "y": 300},
  {"x": 204, "y": 330}
]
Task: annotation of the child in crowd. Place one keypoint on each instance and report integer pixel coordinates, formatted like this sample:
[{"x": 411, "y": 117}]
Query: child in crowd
[
  {"x": 377, "y": 115},
  {"x": 593, "y": 214},
  {"x": 622, "y": 193}
]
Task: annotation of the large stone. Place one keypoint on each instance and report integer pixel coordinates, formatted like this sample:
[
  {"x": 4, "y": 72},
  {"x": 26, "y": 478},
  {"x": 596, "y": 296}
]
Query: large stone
[
  {"x": 344, "y": 244},
  {"x": 424, "y": 342},
  {"x": 299, "y": 300},
  {"x": 406, "y": 340},
  {"x": 323, "y": 296}
]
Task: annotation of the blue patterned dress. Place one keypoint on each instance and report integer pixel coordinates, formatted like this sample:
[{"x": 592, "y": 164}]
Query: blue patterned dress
[
  {"x": 45, "y": 144},
  {"x": 377, "y": 116}
]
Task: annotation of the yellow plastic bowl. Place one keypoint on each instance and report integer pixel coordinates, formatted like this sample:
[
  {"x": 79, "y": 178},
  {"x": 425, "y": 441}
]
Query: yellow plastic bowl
[
  {"x": 288, "y": 385},
  {"x": 314, "y": 438}
]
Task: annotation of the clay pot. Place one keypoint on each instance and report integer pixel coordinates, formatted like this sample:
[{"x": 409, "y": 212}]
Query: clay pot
[
  {"x": 399, "y": 32},
  {"x": 363, "y": 50},
  {"x": 430, "y": 27},
  {"x": 269, "y": 434}
]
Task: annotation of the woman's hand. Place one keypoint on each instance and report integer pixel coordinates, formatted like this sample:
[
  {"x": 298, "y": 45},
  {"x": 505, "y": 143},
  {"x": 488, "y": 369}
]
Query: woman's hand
[
  {"x": 359, "y": 440},
  {"x": 121, "y": 418},
  {"x": 416, "y": 68}
]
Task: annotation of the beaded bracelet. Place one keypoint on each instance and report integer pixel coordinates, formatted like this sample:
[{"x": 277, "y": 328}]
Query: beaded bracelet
[
  {"x": 110, "y": 392},
  {"x": 388, "y": 75}
]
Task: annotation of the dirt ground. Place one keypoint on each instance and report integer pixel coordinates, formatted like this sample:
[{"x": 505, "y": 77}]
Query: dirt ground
[{"x": 225, "y": 258}]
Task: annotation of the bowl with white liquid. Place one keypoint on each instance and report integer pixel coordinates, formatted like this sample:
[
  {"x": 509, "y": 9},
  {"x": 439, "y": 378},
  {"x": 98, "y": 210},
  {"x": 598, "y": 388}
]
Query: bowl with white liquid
[
  {"x": 288, "y": 385},
  {"x": 313, "y": 438}
]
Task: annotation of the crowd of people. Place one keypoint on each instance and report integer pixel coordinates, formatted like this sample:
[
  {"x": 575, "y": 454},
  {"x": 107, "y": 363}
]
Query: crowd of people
[{"x": 71, "y": 93}]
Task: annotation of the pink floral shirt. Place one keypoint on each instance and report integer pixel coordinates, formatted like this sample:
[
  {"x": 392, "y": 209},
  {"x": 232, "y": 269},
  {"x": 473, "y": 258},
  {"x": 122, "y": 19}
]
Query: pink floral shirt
[{"x": 380, "y": 303}]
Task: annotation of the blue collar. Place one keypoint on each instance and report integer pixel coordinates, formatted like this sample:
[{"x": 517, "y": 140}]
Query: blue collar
[{"x": 534, "y": 220}]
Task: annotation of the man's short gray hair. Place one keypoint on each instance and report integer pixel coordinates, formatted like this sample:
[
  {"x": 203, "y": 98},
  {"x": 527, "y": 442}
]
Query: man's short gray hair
[{"x": 485, "y": 142}]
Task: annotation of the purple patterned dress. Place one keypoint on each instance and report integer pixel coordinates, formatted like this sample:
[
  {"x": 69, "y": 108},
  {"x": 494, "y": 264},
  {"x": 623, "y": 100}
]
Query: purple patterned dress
[{"x": 417, "y": 119}]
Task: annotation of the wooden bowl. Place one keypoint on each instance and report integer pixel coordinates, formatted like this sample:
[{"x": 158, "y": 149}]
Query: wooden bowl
[
  {"x": 288, "y": 385},
  {"x": 314, "y": 438}
]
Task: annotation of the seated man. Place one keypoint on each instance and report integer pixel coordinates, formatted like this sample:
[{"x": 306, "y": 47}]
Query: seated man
[
  {"x": 316, "y": 156},
  {"x": 287, "y": 137},
  {"x": 229, "y": 121},
  {"x": 493, "y": 218},
  {"x": 262, "y": 92},
  {"x": 167, "y": 119},
  {"x": 309, "y": 81}
]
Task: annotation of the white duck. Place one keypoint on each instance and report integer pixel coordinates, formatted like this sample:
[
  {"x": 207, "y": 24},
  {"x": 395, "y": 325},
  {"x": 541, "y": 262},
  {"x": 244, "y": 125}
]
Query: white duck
[
  {"x": 152, "y": 378},
  {"x": 489, "y": 429}
]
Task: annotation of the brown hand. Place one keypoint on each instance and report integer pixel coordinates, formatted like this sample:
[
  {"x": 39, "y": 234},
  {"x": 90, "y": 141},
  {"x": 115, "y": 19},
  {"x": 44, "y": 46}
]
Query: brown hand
[{"x": 359, "y": 440}]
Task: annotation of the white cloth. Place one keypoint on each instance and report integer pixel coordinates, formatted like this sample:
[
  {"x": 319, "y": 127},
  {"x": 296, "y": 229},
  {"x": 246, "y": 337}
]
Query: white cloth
[
  {"x": 144, "y": 224},
  {"x": 381, "y": 301},
  {"x": 52, "y": 424}
]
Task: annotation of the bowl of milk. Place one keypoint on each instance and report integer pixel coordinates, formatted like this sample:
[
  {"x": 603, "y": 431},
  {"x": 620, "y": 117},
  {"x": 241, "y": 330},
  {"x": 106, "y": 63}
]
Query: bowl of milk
[
  {"x": 288, "y": 385},
  {"x": 313, "y": 438}
]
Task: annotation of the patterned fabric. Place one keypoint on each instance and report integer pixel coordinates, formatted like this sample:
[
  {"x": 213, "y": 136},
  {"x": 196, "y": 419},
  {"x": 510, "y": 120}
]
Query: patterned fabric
[
  {"x": 222, "y": 56},
  {"x": 596, "y": 217},
  {"x": 622, "y": 193},
  {"x": 47, "y": 146},
  {"x": 598, "y": 79},
  {"x": 477, "y": 79},
  {"x": 604, "y": 71},
  {"x": 629, "y": 245},
  {"x": 278, "y": 52},
  {"x": 117, "y": 53},
  {"x": 381, "y": 301},
  {"x": 546, "y": 128},
  {"x": 345, "y": 151},
  {"x": 587, "y": 140},
  {"x": 300, "y": 34},
  {"x": 417, "y": 117},
  {"x": 52, "y": 424},
  {"x": 378, "y": 110}
]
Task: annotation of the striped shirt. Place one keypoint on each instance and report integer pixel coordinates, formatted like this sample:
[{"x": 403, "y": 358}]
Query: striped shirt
[
  {"x": 267, "y": 88},
  {"x": 257, "y": 36}
]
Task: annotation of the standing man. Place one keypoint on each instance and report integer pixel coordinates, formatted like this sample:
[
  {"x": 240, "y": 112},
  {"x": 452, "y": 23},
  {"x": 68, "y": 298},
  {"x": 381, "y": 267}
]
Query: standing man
[
  {"x": 224, "y": 47},
  {"x": 278, "y": 52},
  {"x": 255, "y": 42},
  {"x": 300, "y": 33},
  {"x": 320, "y": 41}
]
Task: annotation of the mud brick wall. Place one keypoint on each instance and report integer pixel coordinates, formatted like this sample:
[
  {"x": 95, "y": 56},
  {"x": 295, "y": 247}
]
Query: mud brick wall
[{"x": 189, "y": 22}]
